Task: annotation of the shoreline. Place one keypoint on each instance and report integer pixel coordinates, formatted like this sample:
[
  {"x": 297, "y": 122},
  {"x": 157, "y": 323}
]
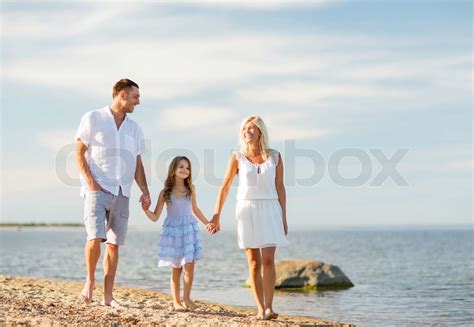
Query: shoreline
[{"x": 32, "y": 301}]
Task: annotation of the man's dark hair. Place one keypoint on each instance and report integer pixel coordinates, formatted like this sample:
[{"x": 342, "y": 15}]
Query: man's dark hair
[{"x": 123, "y": 84}]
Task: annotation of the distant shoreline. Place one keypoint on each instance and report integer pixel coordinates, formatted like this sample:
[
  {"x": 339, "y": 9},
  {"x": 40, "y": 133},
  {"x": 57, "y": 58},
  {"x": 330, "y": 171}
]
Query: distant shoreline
[
  {"x": 381, "y": 227},
  {"x": 42, "y": 225}
]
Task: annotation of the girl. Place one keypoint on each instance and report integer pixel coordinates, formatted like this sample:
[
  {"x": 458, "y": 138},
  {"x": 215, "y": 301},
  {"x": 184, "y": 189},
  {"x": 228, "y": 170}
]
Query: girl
[
  {"x": 180, "y": 242},
  {"x": 260, "y": 211}
]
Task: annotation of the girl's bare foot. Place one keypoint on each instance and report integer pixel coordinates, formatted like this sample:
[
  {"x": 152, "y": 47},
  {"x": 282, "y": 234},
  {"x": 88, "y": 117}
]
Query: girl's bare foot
[
  {"x": 188, "y": 304},
  {"x": 179, "y": 307},
  {"x": 112, "y": 303},
  {"x": 271, "y": 314},
  {"x": 86, "y": 293}
]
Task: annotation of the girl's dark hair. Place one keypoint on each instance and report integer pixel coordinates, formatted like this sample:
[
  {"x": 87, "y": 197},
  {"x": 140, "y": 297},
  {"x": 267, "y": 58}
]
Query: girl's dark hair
[{"x": 170, "y": 180}]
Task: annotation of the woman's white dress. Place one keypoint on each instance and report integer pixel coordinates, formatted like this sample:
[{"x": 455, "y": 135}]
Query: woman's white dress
[{"x": 258, "y": 211}]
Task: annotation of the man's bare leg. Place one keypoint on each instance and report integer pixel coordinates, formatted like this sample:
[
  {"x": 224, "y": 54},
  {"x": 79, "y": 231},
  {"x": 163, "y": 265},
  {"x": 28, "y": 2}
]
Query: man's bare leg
[
  {"x": 91, "y": 254},
  {"x": 110, "y": 269}
]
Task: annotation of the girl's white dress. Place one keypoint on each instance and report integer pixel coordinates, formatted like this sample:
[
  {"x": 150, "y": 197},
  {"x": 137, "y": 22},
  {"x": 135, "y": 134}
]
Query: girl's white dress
[{"x": 258, "y": 211}]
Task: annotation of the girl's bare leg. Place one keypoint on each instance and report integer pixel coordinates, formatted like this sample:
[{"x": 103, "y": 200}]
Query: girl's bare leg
[
  {"x": 175, "y": 277},
  {"x": 188, "y": 283},
  {"x": 268, "y": 262},
  {"x": 255, "y": 270}
]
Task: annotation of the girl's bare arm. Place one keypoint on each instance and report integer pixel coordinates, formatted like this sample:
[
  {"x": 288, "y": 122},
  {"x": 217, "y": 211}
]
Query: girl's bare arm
[
  {"x": 155, "y": 215},
  {"x": 197, "y": 212}
]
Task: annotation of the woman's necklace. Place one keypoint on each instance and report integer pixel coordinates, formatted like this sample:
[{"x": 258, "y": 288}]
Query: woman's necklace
[{"x": 257, "y": 165}]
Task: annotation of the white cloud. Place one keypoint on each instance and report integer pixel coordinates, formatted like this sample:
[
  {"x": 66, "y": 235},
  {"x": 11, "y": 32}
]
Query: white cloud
[
  {"x": 54, "y": 140},
  {"x": 165, "y": 68},
  {"x": 461, "y": 164},
  {"x": 29, "y": 179},
  {"x": 246, "y": 4},
  {"x": 298, "y": 133},
  {"x": 339, "y": 76},
  {"x": 175, "y": 64},
  {"x": 216, "y": 121},
  {"x": 298, "y": 93},
  {"x": 292, "y": 126},
  {"x": 256, "y": 4},
  {"x": 54, "y": 24},
  {"x": 424, "y": 162},
  {"x": 204, "y": 118},
  {"x": 62, "y": 170}
]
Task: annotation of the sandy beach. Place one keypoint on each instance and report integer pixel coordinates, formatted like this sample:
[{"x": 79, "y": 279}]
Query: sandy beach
[{"x": 28, "y": 301}]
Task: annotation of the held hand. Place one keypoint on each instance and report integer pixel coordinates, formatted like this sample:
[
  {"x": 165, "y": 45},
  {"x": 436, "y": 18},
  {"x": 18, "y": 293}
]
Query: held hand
[
  {"x": 145, "y": 206},
  {"x": 145, "y": 201},
  {"x": 216, "y": 222},
  {"x": 211, "y": 228}
]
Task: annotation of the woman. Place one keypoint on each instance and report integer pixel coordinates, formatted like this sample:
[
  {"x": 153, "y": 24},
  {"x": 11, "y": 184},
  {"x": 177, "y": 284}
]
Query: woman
[{"x": 260, "y": 211}]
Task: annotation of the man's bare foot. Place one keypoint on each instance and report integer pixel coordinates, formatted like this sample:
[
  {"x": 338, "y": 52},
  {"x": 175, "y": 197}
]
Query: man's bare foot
[
  {"x": 112, "y": 303},
  {"x": 86, "y": 293},
  {"x": 188, "y": 304},
  {"x": 179, "y": 307},
  {"x": 271, "y": 314}
]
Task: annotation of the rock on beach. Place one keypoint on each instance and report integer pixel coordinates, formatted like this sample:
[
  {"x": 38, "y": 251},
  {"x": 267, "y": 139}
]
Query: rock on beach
[{"x": 308, "y": 275}]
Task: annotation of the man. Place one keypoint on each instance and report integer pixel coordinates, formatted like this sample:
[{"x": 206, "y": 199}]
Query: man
[{"x": 108, "y": 153}]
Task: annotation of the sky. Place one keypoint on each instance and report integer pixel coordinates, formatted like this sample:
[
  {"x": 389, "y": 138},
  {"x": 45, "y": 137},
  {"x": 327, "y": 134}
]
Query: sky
[{"x": 369, "y": 102}]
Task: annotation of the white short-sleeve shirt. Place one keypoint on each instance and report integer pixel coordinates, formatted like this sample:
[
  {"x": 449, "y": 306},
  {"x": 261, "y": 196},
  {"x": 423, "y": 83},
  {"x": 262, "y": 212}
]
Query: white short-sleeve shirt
[{"x": 111, "y": 153}]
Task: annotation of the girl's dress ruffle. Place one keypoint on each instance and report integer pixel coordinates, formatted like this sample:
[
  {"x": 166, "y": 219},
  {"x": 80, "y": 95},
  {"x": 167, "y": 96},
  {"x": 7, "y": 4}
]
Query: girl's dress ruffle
[{"x": 180, "y": 241}]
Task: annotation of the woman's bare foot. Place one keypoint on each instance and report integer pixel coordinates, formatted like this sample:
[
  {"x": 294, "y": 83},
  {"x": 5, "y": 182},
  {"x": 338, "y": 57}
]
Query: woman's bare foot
[
  {"x": 188, "y": 304},
  {"x": 112, "y": 303},
  {"x": 86, "y": 293},
  {"x": 179, "y": 307},
  {"x": 271, "y": 314}
]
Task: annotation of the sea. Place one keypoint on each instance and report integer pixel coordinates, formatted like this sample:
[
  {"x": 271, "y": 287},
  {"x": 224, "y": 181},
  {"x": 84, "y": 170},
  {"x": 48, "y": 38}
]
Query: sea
[{"x": 402, "y": 276}]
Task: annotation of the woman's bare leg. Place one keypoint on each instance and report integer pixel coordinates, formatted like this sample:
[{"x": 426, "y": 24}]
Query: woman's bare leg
[
  {"x": 255, "y": 270},
  {"x": 268, "y": 263}
]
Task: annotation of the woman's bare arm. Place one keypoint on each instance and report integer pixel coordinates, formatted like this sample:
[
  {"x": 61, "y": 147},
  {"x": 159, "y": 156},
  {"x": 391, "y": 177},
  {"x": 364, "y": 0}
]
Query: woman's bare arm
[
  {"x": 280, "y": 187},
  {"x": 232, "y": 168}
]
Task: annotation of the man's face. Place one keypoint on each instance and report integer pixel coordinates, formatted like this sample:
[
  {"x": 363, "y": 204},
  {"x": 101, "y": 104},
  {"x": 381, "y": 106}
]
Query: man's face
[{"x": 130, "y": 99}]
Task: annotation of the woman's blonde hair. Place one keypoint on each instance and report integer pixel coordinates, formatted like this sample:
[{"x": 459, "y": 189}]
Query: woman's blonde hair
[
  {"x": 263, "y": 144},
  {"x": 170, "y": 180}
]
